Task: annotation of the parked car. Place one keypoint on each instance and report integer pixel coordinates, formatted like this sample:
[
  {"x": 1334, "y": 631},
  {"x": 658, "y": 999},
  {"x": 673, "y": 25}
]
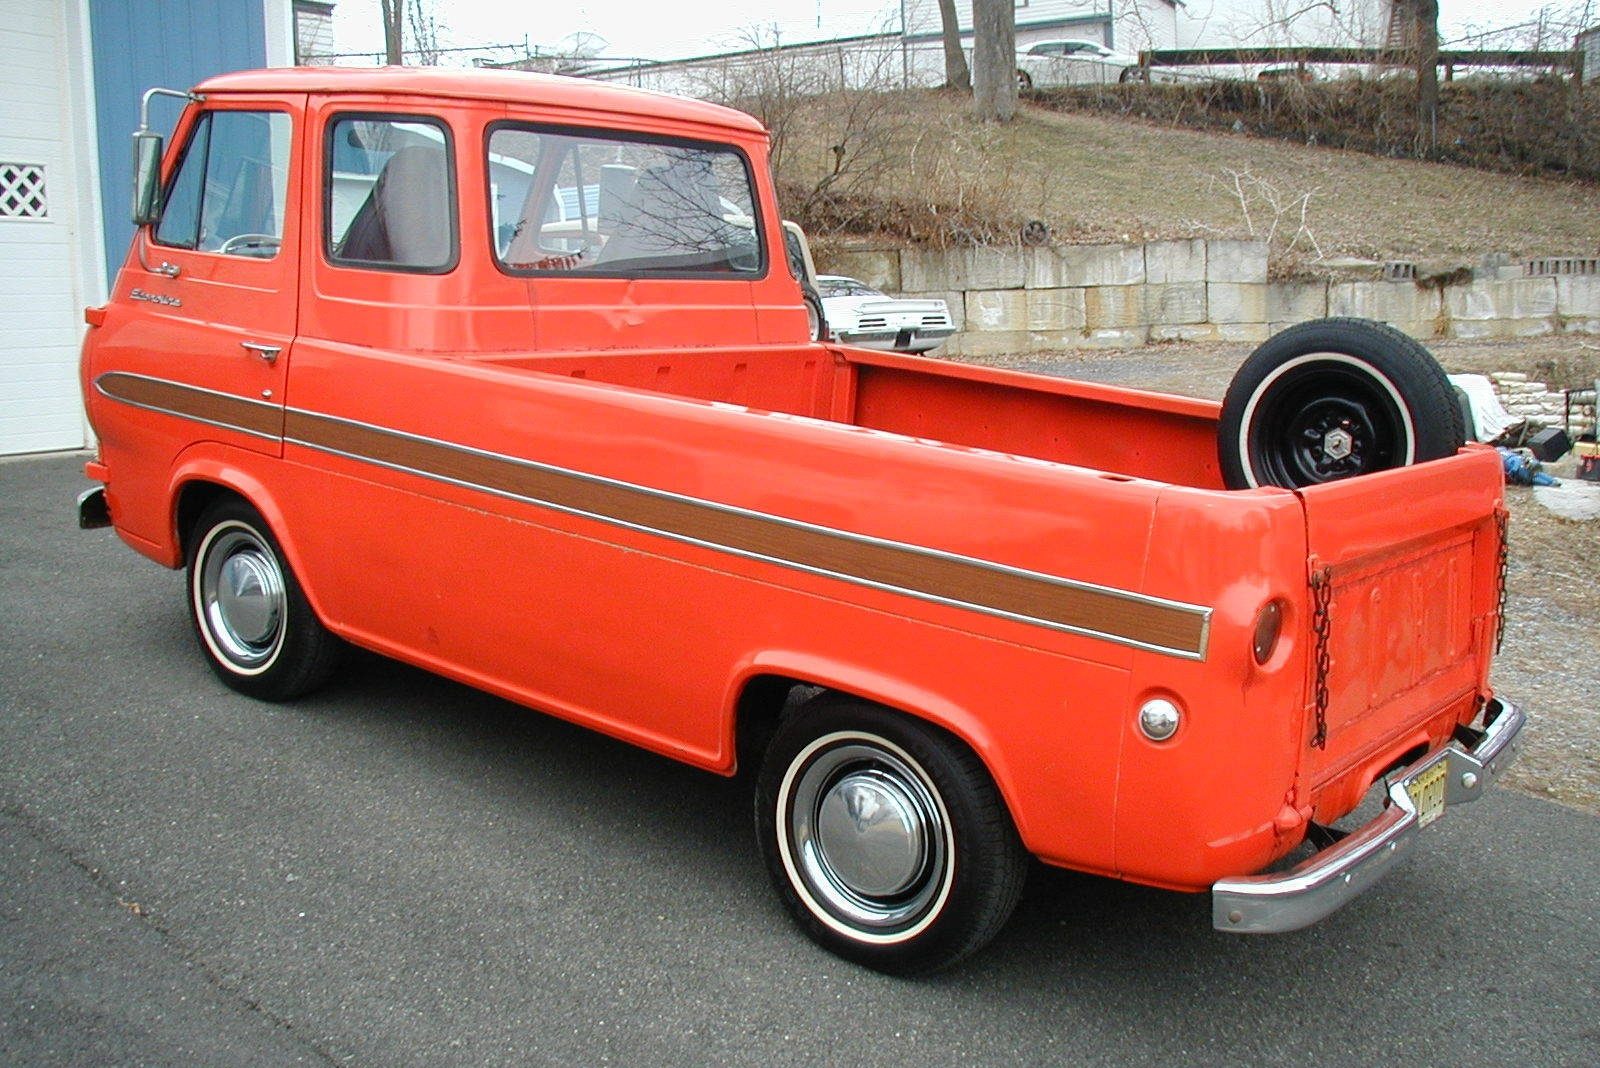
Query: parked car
[
  {"x": 857, "y": 314},
  {"x": 379, "y": 371},
  {"x": 1073, "y": 62}
]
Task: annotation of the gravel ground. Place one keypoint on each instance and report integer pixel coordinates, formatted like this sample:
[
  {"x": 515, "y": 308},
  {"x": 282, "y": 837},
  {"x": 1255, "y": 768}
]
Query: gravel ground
[{"x": 1551, "y": 658}]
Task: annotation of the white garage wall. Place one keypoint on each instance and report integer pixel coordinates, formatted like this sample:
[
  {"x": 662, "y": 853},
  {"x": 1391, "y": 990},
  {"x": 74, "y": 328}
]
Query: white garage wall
[{"x": 41, "y": 294}]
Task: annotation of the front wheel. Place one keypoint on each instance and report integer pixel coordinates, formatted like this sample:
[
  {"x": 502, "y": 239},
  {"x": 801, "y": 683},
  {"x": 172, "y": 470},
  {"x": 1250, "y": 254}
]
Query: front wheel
[
  {"x": 255, "y": 626},
  {"x": 885, "y": 837},
  {"x": 1024, "y": 81}
]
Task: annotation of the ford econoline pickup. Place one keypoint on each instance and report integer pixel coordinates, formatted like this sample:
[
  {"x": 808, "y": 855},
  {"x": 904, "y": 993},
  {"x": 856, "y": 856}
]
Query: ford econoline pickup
[{"x": 507, "y": 377}]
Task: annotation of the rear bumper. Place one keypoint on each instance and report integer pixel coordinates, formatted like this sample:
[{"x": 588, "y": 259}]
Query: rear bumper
[
  {"x": 897, "y": 340},
  {"x": 1332, "y": 877}
]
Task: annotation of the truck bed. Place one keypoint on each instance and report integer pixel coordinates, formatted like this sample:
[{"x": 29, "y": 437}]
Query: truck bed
[
  {"x": 1409, "y": 554},
  {"x": 1124, "y": 432}
]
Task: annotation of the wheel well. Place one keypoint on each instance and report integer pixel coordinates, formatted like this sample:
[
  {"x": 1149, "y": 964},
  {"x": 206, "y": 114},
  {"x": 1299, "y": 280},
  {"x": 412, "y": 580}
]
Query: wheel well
[
  {"x": 767, "y": 699},
  {"x": 763, "y": 702},
  {"x": 193, "y": 499}
]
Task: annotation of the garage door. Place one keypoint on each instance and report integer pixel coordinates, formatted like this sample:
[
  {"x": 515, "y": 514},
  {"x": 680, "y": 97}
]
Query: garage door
[{"x": 40, "y": 317}]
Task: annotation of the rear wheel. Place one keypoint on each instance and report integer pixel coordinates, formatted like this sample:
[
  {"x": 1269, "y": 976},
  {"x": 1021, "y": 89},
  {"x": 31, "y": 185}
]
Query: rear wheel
[
  {"x": 255, "y": 626},
  {"x": 1331, "y": 399},
  {"x": 885, "y": 837}
]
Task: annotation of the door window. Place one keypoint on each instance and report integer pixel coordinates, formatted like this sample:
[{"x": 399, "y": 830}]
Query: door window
[
  {"x": 231, "y": 185},
  {"x": 389, "y": 197}
]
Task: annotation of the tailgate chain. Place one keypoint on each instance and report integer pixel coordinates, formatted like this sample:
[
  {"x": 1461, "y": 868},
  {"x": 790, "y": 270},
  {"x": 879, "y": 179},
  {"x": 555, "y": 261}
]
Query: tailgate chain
[
  {"x": 1502, "y": 520},
  {"x": 1321, "y": 624}
]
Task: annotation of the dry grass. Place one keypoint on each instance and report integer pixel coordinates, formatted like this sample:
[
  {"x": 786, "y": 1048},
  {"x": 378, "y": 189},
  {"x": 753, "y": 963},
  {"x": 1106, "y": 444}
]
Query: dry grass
[
  {"x": 1099, "y": 178},
  {"x": 1122, "y": 176}
]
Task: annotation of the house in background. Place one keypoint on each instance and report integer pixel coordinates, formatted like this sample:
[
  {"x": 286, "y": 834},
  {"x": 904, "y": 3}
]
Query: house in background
[
  {"x": 69, "y": 101},
  {"x": 1124, "y": 25}
]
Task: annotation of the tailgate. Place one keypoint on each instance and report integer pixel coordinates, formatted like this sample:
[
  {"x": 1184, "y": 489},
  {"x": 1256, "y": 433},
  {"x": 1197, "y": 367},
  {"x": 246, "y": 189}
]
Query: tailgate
[{"x": 1411, "y": 558}]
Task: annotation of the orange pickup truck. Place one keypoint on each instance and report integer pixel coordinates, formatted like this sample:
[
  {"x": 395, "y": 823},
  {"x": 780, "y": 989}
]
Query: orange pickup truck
[{"x": 507, "y": 377}]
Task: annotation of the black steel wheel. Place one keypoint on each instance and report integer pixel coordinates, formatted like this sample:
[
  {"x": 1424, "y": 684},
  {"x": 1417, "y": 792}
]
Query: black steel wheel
[
  {"x": 1332, "y": 399},
  {"x": 885, "y": 837},
  {"x": 254, "y": 624}
]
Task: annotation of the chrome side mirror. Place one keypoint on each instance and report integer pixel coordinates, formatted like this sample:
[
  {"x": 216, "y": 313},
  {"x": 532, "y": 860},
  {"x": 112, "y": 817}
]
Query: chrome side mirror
[
  {"x": 147, "y": 158},
  {"x": 146, "y": 177}
]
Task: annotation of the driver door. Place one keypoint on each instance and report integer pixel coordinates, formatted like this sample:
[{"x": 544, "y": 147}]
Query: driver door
[{"x": 214, "y": 280}]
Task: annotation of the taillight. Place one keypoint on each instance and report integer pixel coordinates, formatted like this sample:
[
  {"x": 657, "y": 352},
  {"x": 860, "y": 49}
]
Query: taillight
[{"x": 1269, "y": 625}]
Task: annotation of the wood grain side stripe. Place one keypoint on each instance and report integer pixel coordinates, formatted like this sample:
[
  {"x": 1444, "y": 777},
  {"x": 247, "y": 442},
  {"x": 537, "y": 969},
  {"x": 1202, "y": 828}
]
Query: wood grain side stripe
[
  {"x": 1119, "y": 616},
  {"x": 189, "y": 402},
  {"x": 1115, "y": 615}
]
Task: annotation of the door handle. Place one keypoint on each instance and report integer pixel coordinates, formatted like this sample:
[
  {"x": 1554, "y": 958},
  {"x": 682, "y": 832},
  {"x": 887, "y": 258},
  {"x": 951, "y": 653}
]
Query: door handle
[{"x": 268, "y": 353}]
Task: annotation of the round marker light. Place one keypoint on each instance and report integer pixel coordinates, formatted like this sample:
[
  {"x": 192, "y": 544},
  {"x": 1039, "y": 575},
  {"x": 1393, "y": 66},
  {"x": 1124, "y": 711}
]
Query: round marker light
[
  {"x": 1158, "y": 719},
  {"x": 1269, "y": 624}
]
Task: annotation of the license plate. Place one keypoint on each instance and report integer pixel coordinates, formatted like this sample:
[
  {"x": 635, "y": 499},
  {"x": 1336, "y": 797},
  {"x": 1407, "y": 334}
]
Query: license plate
[{"x": 1427, "y": 793}]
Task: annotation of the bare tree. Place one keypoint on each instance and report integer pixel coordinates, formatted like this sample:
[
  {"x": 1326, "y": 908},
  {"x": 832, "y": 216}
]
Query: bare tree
[
  {"x": 424, "y": 27},
  {"x": 994, "y": 60},
  {"x": 956, "y": 75},
  {"x": 768, "y": 82},
  {"x": 392, "y": 11},
  {"x": 1285, "y": 23},
  {"x": 1427, "y": 38},
  {"x": 1552, "y": 27}
]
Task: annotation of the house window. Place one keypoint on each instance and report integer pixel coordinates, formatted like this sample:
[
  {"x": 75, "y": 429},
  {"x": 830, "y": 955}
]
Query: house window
[{"x": 22, "y": 191}]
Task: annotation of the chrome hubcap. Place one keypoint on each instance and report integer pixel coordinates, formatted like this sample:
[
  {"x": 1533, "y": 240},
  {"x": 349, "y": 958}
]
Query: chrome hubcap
[
  {"x": 870, "y": 833},
  {"x": 241, "y": 597},
  {"x": 869, "y": 841}
]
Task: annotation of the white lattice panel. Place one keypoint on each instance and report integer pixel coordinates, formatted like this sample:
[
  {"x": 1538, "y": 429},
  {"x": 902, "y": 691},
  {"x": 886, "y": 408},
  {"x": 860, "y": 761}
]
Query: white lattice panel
[{"x": 22, "y": 194}]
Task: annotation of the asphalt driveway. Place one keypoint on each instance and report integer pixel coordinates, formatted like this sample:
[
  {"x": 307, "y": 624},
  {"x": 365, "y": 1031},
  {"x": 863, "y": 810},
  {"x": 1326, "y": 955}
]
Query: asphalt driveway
[{"x": 403, "y": 871}]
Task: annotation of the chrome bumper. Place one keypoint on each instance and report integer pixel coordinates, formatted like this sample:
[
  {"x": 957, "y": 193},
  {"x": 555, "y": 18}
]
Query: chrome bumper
[
  {"x": 93, "y": 511},
  {"x": 1331, "y": 878}
]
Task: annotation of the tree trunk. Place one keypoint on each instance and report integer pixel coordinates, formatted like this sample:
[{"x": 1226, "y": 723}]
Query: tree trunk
[
  {"x": 956, "y": 74},
  {"x": 994, "y": 60},
  {"x": 1427, "y": 75},
  {"x": 391, "y": 31}
]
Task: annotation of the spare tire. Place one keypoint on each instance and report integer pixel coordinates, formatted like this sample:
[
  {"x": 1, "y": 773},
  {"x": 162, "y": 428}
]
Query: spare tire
[{"x": 1331, "y": 399}]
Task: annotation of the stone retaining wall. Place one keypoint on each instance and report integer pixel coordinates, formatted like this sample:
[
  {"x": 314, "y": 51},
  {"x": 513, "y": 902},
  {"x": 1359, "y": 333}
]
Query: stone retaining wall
[
  {"x": 1007, "y": 300},
  {"x": 1538, "y": 403}
]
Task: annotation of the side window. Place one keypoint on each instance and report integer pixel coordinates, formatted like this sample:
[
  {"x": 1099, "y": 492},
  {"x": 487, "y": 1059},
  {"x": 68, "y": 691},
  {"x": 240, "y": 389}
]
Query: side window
[
  {"x": 390, "y": 194},
  {"x": 572, "y": 203},
  {"x": 229, "y": 192}
]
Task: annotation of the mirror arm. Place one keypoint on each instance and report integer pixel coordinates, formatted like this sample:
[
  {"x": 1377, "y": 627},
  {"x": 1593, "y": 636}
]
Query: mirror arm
[{"x": 144, "y": 104}]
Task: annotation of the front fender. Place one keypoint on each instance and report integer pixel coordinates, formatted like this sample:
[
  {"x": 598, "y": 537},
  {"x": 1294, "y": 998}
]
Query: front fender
[{"x": 219, "y": 465}]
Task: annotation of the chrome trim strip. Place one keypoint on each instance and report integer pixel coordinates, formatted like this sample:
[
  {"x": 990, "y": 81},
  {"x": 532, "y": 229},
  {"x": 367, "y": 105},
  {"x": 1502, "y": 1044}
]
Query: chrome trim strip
[
  {"x": 1333, "y": 877},
  {"x": 236, "y": 428}
]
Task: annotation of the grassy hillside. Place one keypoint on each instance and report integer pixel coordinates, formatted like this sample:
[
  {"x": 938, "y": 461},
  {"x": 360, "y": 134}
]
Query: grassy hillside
[{"x": 925, "y": 172}]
